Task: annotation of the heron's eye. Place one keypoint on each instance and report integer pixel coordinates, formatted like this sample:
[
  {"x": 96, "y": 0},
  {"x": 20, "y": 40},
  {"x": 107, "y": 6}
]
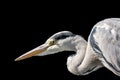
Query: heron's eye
[{"x": 53, "y": 42}]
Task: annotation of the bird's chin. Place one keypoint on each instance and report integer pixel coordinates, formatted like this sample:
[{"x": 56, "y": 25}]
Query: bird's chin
[{"x": 54, "y": 49}]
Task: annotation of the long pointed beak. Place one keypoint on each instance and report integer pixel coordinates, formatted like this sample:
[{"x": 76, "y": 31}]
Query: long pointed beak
[{"x": 33, "y": 52}]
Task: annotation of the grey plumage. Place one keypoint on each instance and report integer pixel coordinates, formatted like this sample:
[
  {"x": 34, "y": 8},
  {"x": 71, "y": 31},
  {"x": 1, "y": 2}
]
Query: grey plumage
[
  {"x": 101, "y": 50},
  {"x": 107, "y": 36}
]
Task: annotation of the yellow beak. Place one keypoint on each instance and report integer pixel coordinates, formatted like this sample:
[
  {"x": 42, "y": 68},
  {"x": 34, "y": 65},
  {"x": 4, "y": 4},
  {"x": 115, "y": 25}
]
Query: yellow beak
[{"x": 31, "y": 53}]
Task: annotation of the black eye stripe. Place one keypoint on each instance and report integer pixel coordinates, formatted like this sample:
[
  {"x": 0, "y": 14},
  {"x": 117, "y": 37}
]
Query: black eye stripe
[{"x": 62, "y": 36}]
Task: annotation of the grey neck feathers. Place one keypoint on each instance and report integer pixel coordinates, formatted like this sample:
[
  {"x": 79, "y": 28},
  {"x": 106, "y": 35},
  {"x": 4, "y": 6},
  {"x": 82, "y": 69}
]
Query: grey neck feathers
[{"x": 79, "y": 43}]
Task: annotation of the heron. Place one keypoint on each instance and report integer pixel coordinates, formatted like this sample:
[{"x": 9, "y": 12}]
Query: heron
[{"x": 102, "y": 49}]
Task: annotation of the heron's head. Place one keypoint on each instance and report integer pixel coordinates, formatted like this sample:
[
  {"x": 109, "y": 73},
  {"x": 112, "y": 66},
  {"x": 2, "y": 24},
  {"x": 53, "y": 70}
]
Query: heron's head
[{"x": 58, "y": 42}]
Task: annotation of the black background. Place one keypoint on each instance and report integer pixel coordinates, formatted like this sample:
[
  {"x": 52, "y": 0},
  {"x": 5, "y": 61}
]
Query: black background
[{"x": 27, "y": 25}]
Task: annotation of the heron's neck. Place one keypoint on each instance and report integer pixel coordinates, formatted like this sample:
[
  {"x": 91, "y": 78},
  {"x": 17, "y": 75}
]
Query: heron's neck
[
  {"x": 75, "y": 60},
  {"x": 79, "y": 43}
]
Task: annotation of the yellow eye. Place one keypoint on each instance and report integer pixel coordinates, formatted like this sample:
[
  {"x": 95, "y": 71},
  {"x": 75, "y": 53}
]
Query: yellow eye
[{"x": 53, "y": 42}]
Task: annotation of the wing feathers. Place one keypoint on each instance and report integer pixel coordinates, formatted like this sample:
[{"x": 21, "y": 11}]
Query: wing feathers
[{"x": 106, "y": 36}]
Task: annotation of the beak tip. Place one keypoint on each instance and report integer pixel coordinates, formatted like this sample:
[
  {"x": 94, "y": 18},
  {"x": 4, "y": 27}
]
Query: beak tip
[{"x": 16, "y": 59}]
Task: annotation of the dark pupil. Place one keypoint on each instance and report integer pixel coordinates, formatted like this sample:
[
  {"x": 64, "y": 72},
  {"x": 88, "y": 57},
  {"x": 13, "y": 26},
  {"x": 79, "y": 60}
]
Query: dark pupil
[{"x": 52, "y": 43}]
